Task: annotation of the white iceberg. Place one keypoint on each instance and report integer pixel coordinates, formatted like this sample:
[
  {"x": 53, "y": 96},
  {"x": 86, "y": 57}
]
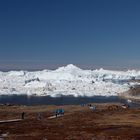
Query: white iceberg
[{"x": 67, "y": 80}]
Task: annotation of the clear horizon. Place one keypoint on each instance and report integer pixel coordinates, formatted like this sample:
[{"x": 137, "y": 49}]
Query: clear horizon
[
  {"x": 46, "y": 34},
  {"x": 36, "y": 67}
]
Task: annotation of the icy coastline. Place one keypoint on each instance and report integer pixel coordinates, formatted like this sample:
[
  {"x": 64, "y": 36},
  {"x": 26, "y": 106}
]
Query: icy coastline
[{"x": 67, "y": 80}]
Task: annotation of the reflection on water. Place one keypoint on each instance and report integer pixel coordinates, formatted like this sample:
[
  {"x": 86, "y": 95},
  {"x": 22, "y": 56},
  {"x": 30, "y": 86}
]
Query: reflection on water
[{"x": 63, "y": 100}]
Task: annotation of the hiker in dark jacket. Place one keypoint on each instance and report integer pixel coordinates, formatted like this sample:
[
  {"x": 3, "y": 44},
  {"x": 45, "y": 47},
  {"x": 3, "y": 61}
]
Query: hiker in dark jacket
[{"x": 22, "y": 115}]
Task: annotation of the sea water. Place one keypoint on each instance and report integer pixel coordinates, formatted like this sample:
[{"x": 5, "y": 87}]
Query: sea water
[{"x": 62, "y": 100}]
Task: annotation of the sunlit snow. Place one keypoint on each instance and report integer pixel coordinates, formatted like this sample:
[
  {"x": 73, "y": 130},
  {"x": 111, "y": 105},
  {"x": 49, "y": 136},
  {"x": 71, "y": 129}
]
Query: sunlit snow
[{"x": 67, "y": 80}]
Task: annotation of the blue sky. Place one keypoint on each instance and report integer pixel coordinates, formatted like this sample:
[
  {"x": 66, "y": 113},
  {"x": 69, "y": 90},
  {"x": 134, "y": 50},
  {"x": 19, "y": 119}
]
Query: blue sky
[{"x": 38, "y": 34}]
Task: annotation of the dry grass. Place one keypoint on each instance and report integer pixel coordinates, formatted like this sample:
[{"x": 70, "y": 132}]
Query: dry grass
[{"x": 77, "y": 123}]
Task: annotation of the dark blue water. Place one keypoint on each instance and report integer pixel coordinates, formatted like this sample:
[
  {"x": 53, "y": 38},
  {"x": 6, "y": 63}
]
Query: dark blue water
[
  {"x": 63, "y": 100},
  {"x": 116, "y": 81}
]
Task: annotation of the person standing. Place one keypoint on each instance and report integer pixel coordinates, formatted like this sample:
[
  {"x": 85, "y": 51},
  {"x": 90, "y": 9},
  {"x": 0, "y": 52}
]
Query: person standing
[{"x": 23, "y": 115}]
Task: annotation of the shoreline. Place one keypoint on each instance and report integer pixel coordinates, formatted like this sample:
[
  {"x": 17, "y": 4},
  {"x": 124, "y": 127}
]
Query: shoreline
[{"x": 132, "y": 94}]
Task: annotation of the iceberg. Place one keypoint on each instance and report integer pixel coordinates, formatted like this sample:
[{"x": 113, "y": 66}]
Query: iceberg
[{"x": 67, "y": 80}]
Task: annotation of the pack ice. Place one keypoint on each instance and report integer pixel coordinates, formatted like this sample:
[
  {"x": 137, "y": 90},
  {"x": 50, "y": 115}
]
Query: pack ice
[{"x": 67, "y": 80}]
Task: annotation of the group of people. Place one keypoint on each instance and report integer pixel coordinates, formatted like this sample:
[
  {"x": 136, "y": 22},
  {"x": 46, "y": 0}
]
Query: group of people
[
  {"x": 59, "y": 111},
  {"x": 92, "y": 107}
]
